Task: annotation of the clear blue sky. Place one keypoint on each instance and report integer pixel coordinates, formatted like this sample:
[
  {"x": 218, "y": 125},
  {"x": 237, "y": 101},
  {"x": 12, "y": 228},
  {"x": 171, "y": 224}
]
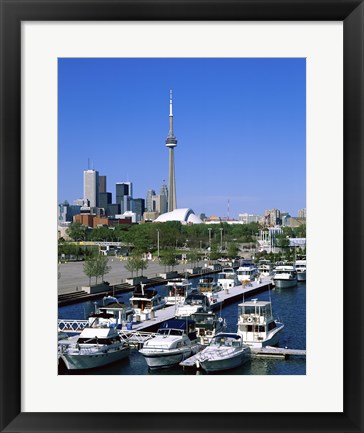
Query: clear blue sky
[{"x": 240, "y": 126}]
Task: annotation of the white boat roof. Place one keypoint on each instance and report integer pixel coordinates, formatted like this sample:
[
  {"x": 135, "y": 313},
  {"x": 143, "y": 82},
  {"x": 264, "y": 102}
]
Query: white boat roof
[
  {"x": 254, "y": 303},
  {"x": 103, "y": 332}
]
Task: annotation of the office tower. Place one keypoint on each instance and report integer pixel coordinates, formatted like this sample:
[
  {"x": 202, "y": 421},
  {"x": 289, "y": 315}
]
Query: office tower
[
  {"x": 113, "y": 209},
  {"x": 139, "y": 207},
  {"x": 149, "y": 200},
  {"x": 91, "y": 187},
  {"x": 171, "y": 143},
  {"x": 105, "y": 198},
  {"x": 124, "y": 196},
  {"x": 102, "y": 184},
  {"x": 163, "y": 198}
]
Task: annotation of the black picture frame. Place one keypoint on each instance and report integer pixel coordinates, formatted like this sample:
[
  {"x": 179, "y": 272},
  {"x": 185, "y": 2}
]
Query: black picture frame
[{"x": 13, "y": 12}]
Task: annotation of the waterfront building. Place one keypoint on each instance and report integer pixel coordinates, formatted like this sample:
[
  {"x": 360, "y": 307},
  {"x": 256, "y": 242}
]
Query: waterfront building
[
  {"x": 149, "y": 216},
  {"x": 247, "y": 218},
  {"x": 149, "y": 200},
  {"x": 272, "y": 217},
  {"x": 91, "y": 187},
  {"x": 171, "y": 143}
]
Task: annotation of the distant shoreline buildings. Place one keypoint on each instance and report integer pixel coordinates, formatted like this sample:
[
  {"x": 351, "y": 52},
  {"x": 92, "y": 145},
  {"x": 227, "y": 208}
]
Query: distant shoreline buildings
[{"x": 97, "y": 207}]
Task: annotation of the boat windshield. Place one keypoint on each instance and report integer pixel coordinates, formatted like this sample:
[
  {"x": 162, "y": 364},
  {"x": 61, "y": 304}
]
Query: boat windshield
[
  {"x": 223, "y": 341},
  {"x": 170, "y": 331}
]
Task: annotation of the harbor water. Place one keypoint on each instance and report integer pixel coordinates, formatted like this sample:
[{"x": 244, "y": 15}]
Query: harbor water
[{"x": 289, "y": 306}]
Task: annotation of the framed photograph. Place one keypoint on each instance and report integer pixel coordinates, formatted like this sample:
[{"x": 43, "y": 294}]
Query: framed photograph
[{"x": 54, "y": 55}]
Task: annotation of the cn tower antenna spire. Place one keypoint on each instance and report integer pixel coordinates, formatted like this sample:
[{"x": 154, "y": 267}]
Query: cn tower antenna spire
[
  {"x": 171, "y": 143},
  {"x": 170, "y": 103}
]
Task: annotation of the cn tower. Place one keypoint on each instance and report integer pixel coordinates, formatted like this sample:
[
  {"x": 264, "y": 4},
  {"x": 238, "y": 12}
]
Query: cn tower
[{"x": 171, "y": 143}]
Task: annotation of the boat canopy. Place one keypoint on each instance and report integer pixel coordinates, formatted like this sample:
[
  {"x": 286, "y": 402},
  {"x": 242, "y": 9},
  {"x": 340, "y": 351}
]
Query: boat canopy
[{"x": 178, "y": 324}]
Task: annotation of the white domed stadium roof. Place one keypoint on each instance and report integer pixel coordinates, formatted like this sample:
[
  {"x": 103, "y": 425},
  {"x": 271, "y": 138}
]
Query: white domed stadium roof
[{"x": 185, "y": 216}]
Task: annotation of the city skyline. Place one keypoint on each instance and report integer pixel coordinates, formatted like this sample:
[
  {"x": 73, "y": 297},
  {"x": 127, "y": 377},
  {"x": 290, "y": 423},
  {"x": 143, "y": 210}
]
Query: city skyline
[{"x": 240, "y": 122}]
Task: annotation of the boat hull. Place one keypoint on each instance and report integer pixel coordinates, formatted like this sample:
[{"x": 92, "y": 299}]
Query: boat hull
[
  {"x": 272, "y": 340},
  {"x": 165, "y": 359},
  {"x": 225, "y": 364},
  {"x": 301, "y": 276},
  {"x": 93, "y": 360},
  {"x": 284, "y": 284}
]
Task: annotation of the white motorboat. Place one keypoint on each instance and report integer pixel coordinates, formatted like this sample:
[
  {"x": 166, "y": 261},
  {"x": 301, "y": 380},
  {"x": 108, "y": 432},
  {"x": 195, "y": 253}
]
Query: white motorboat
[
  {"x": 301, "y": 269},
  {"x": 207, "y": 325},
  {"x": 256, "y": 324},
  {"x": 247, "y": 273},
  {"x": 145, "y": 303},
  {"x": 176, "y": 340},
  {"x": 94, "y": 347},
  {"x": 178, "y": 290},
  {"x": 285, "y": 276},
  {"x": 227, "y": 279},
  {"x": 225, "y": 351},
  {"x": 209, "y": 287},
  {"x": 194, "y": 303}
]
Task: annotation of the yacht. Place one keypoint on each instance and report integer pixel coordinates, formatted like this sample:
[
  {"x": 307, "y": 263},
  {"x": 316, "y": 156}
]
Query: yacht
[
  {"x": 301, "y": 269},
  {"x": 227, "y": 278},
  {"x": 285, "y": 276},
  {"x": 194, "y": 303},
  {"x": 247, "y": 273},
  {"x": 225, "y": 351},
  {"x": 178, "y": 290},
  {"x": 94, "y": 347},
  {"x": 256, "y": 324},
  {"x": 145, "y": 303},
  {"x": 175, "y": 341},
  {"x": 207, "y": 325},
  {"x": 209, "y": 287}
]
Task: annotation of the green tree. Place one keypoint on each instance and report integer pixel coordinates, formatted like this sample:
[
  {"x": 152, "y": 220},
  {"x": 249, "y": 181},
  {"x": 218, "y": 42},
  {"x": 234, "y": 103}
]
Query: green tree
[
  {"x": 214, "y": 253},
  {"x": 233, "y": 249},
  {"x": 193, "y": 257},
  {"x": 168, "y": 258},
  {"x": 101, "y": 267},
  {"x": 77, "y": 231},
  {"x": 89, "y": 268}
]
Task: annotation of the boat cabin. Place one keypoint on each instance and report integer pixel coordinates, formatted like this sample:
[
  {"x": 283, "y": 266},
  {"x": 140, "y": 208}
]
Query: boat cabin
[{"x": 255, "y": 320}]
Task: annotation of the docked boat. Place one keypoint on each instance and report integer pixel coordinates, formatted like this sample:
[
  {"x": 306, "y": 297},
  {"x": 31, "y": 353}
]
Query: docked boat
[
  {"x": 265, "y": 268},
  {"x": 227, "y": 278},
  {"x": 285, "y": 276},
  {"x": 207, "y": 325},
  {"x": 175, "y": 341},
  {"x": 178, "y": 290},
  {"x": 194, "y": 303},
  {"x": 114, "y": 313},
  {"x": 145, "y": 303},
  {"x": 256, "y": 324},
  {"x": 209, "y": 287},
  {"x": 94, "y": 347},
  {"x": 301, "y": 269},
  {"x": 247, "y": 273},
  {"x": 226, "y": 351}
]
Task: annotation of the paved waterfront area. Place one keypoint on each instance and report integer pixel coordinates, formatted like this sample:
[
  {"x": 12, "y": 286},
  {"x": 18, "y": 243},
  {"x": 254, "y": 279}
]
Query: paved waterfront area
[{"x": 72, "y": 277}]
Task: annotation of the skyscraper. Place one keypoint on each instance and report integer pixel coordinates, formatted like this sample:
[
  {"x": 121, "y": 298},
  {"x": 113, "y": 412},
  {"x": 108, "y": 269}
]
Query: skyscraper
[
  {"x": 149, "y": 200},
  {"x": 91, "y": 187},
  {"x": 163, "y": 198},
  {"x": 124, "y": 196},
  {"x": 171, "y": 143},
  {"x": 102, "y": 184}
]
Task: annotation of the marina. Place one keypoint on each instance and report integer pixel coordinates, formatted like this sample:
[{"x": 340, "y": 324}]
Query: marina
[{"x": 288, "y": 358}]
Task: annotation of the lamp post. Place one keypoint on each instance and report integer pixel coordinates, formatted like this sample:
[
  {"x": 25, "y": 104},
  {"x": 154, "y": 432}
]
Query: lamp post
[
  {"x": 221, "y": 229},
  {"x": 209, "y": 229},
  {"x": 158, "y": 242}
]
